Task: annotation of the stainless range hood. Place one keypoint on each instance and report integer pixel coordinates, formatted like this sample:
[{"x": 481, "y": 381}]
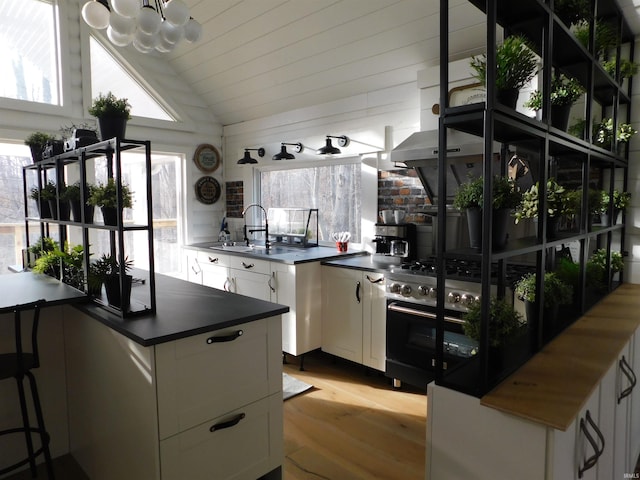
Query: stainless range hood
[{"x": 464, "y": 160}]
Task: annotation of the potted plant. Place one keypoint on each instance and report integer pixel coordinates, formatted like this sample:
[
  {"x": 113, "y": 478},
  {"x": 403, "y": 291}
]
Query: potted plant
[
  {"x": 556, "y": 293},
  {"x": 72, "y": 196},
  {"x": 605, "y": 37},
  {"x": 60, "y": 208},
  {"x": 506, "y": 197},
  {"x": 620, "y": 202},
  {"x": 106, "y": 270},
  {"x": 63, "y": 264},
  {"x": 48, "y": 195},
  {"x": 572, "y": 11},
  {"x": 506, "y": 327},
  {"x": 112, "y": 114},
  {"x": 44, "y": 210},
  {"x": 35, "y": 251},
  {"x": 516, "y": 65},
  {"x": 37, "y": 142},
  {"x": 597, "y": 268},
  {"x": 603, "y": 133},
  {"x": 105, "y": 196},
  {"x": 628, "y": 68},
  {"x": 565, "y": 91},
  {"x": 556, "y": 205}
]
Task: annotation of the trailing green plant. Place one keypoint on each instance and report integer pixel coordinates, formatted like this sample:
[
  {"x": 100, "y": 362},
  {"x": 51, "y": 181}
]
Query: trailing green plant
[
  {"x": 48, "y": 191},
  {"x": 110, "y": 106},
  {"x": 516, "y": 64},
  {"x": 106, "y": 194},
  {"x": 504, "y": 322},
  {"x": 67, "y": 262},
  {"x": 38, "y": 139},
  {"x": 599, "y": 259},
  {"x": 605, "y": 36},
  {"x": 556, "y": 201},
  {"x": 564, "y": 91},
  {"x": 470, "y": 194},
  {"x": 621, "y": 200},
  {"x": 628, "y": 68},
  {"x": 568, "y": 272},
  {"x": 556, "y": 291}
]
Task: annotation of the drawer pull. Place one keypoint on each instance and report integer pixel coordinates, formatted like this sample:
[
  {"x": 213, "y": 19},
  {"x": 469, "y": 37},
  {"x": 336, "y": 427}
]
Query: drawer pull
[
  {"x": 591, "y": 461},
  {"x": 248, "y": 265},
  {"x": 225, "y": 338},
  {"x": 371, "y": 280},
  {"x": 214, "y": 260},
  {"x": 229, "y": 423},
  {"x": 631, "y": 376}
]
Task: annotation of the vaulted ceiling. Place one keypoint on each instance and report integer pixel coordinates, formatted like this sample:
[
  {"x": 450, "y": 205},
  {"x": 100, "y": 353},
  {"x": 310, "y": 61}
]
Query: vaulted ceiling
[{"x": 262, "y": 57}]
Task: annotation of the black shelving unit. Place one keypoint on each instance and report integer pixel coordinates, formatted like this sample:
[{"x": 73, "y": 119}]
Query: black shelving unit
[
  {"x": 551, "y": 153},
  {"x": 57, "y": 169}
]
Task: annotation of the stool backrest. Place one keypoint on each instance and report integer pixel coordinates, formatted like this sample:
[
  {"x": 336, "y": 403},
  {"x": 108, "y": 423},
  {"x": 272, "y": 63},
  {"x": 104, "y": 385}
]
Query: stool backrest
[{"x": 18, "y": 310}]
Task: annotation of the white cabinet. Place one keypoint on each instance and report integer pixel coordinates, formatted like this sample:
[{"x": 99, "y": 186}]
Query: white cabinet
[
  {"x": 214, "y": 270},
  {"x": 353, "y": 315},
  {"x": 298, "y": 286},
  {"x": 251, "y": 277},
  {"x": 193, "y": 270},
  {"x": 206, "y": 406}
]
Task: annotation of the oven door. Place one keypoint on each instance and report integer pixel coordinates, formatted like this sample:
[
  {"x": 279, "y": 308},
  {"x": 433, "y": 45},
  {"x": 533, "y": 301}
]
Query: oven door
[{"x": 411, "y": 342}]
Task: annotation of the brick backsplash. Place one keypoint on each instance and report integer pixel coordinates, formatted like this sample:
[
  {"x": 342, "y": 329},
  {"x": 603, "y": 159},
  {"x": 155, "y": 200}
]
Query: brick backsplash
[
  {"x": 235, "y": 202},
  {"x": 402, "y": 190}
]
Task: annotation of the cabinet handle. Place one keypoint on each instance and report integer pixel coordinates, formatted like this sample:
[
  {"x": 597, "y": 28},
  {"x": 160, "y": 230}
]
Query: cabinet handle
[
  {"x": 213, "y": 260},
  {"x": 272, "y": 277},
  {"x": 229, "y": 423},
  {"x": 197, "y": 272},
  {"x": 628, "y": 372},
  {"x": 225, "y": 338},
  {"x": 592, "y": 460},
  {"x": 248, "y": 265},
  {"x": 371, "y": 280},
  {"x": 358, "y": 292},
  {"x": 225, "y": 286}
]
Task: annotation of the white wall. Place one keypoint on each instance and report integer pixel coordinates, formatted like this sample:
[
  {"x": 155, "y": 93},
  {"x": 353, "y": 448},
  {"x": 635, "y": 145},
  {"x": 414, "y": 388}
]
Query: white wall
[{"x": 197, "y": 123}]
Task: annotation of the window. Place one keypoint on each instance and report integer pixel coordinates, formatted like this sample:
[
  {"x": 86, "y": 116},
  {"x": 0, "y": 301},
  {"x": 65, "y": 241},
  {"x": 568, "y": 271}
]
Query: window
[
  {"x": 108, "y": 75},
  {"x": 28, "y": 51},
  {"x": 334, "y": 189}
]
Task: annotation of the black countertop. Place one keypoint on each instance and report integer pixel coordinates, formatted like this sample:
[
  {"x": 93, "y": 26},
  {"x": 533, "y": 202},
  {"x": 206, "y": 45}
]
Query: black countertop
[
  {"x": 364, "y": 262},
  {"x": 288, "y": 255},
  {"x": 184, "y": 309},
  {"x": 27, "y": 287}
]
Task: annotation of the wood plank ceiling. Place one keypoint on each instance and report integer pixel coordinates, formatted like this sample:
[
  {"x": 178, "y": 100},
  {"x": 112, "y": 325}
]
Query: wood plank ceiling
[{"x": 263, "y": 57}]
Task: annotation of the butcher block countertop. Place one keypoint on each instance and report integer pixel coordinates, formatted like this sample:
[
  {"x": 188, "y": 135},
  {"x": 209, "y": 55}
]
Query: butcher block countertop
[{"x": 554, "y": 384}]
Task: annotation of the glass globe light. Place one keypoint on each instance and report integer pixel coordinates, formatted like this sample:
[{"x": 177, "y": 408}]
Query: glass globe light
[
  {"x": 148, "y": 20},
  {"x": 126, "y": 8},
  {"x": 145, "y": 40},
  {"x": 176, "y": 12},
  {"x": 96, "y": 14},
  {"x": 122, "y": 25},
  {"x": 171, "y": 33},
  {"x": 139, "y": 47},
  {"x": 117, "y": 38},
  {"x": 163, "y": 46},
  {"x": 192, "y": 31}
]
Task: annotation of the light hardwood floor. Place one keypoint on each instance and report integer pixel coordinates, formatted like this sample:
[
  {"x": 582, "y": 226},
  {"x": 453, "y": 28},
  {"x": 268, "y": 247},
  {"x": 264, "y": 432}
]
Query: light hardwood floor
[{"x": 351, "y": 426}]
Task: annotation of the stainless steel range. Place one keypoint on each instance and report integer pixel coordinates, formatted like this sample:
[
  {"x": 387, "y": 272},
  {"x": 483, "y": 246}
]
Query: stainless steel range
[{"x": 411, "y": 317}]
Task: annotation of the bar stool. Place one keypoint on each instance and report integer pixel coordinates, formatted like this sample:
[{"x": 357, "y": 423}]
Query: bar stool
[{"x": 18, "y": 364}]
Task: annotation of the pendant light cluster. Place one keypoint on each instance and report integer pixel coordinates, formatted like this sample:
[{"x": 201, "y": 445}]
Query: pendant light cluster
[
  {"x": 150, "y": 25},
  {"x": 328, "y": 149}
]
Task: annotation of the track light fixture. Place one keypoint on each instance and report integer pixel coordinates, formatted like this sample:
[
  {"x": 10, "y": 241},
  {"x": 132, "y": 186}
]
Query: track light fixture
[
  {"x": 284, "y": 155},
  {"x": 329, "y": 149},
  {"x": 139, "y": 22},
  {"x": 247, "y": 158}
]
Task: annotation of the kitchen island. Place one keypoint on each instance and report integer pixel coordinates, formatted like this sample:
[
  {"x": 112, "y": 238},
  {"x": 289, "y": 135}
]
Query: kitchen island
[{"x": 192, "y": 391}]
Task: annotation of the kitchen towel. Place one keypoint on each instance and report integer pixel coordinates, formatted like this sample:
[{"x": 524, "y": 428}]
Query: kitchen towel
[{"x": 292, "y": 386}]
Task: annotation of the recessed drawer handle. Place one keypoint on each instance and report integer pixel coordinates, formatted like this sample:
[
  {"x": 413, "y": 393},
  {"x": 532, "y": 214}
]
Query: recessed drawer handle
[
  {"x": 225, "y": 338},
  {"x": 229, "y": 423},
  {"x": 248, "y": 265}
]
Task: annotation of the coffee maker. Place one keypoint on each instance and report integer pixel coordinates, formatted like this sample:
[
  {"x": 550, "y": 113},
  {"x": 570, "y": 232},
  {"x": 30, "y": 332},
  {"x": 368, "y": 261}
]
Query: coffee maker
[{"x": 395, "y": 243}]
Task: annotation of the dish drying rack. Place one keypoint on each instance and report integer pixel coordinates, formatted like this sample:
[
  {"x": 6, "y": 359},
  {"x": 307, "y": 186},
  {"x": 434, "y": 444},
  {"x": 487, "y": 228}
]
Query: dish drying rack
[{"x": 293, "y": 226}]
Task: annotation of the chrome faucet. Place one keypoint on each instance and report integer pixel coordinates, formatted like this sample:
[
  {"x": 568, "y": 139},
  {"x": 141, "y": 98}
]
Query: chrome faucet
[{"x": 267, "y": 244}]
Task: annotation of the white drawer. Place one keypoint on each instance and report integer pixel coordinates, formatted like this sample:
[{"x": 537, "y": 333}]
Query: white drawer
[
  {"x": 199, "y": 378},
  {"x": 213, "y": 257},
  {"x": 250, "y": 264},
  {"x": 244, "y": 450}
]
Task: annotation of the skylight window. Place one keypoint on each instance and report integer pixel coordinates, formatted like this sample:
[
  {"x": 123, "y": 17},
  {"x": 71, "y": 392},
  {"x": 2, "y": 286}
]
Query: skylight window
[{"x": 108, "y": 75}]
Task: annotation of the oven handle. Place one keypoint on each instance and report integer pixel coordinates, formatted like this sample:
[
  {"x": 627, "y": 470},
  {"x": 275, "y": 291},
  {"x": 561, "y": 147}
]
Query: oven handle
[{"x": 410, "y": 311}]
